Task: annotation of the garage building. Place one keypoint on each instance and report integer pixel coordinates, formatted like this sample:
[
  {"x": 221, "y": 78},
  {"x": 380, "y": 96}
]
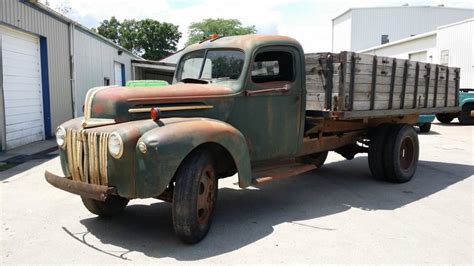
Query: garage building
[
  {"x": 47, "y": 64},
  {"x": 450, "y": 45},
  {"x": 361, "y": 28}
]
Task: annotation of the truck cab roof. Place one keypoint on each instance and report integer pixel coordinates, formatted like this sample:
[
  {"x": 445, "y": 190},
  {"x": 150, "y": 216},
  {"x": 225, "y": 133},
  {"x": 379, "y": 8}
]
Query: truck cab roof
[{"x": 246, "y": 43}]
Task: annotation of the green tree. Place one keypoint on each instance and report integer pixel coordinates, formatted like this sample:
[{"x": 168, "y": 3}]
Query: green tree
[
  {"x": 227, "y": 27},
  {"x": 109, "y": 29},
  {"x": 147, "y": 38}
]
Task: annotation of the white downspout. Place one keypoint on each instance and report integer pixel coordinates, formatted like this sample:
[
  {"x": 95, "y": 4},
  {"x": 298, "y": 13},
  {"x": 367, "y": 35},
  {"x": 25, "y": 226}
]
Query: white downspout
[{"x": 72, "y": 66}]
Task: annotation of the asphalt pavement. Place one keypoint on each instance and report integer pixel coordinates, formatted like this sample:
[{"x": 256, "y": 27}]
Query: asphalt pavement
[{"x": 337, "y": 214}]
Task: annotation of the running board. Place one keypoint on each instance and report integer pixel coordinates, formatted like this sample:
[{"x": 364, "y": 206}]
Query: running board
[{"x": 268, "y": 174}]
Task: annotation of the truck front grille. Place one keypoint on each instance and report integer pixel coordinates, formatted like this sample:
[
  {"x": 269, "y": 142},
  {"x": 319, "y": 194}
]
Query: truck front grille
[{"x": 87, "y": 156}]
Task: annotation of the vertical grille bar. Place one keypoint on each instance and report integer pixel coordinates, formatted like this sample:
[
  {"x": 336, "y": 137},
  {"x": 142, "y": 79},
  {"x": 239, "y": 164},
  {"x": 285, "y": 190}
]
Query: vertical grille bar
[{"x": 87, "y": 156}]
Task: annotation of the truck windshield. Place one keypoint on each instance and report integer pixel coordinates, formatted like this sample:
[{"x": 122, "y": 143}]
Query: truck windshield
[{"x": 215, "y": 65}]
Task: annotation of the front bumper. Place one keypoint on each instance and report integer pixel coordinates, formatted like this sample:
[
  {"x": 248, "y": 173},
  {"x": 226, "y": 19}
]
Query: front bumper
[{"x": 97, "y": 192}]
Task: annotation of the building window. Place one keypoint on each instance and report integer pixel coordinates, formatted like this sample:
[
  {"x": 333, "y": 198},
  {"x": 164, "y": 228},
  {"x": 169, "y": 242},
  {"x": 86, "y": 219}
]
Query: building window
[
  {"x": 385, "y": 39},
  {"x": 444, "y": 58}
]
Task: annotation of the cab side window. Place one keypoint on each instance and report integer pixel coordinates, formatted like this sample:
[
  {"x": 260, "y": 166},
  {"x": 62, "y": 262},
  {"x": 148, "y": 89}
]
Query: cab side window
[{"x": 273, "y": 66}]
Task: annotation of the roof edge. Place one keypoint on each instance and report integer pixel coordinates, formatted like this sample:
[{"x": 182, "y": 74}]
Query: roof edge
[
  {"x": 455, "y": 23},
  {"x": 376, "y": 7},
  {"x": 411, "y": 38}
]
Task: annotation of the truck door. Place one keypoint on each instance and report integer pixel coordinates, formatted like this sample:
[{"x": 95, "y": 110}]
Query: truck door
[{"x": 269, "y": 113}]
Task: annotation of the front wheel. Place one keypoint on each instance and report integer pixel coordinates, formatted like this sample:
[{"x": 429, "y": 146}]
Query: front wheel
[
  {"x": 108, "y": 208},
  {"x": 464, "y": 116},
  {"x": 445, "y": 118},
  {"x": 194, "y": 197},
  {"x": 425, "y": 128}
]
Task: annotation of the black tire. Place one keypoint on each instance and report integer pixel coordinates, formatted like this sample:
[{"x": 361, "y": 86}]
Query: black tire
[
  {"x": 108, "y": 208},
  {"x": 464, "y": 116},
  {"x": 376, "y": 151},
  {"x": 194, "y": 197},
  {"x": 401, "y": 153},
  {"x": 425, "y": 128},
  {"x": 445, "y": 118},
  {"x": 317, "y": 159}
]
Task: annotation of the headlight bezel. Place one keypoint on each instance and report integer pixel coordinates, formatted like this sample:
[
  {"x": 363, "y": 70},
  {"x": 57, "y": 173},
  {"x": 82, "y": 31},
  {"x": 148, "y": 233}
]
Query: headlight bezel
[
  {"x": 63, "y": 130},
  {"x": 119, "y": 153},
  {"x": 142, "y": 147}
]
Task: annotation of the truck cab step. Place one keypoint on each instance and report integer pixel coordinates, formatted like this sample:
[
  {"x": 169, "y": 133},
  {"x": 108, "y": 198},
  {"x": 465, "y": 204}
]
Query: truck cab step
[{"x": 270, "y": 173}]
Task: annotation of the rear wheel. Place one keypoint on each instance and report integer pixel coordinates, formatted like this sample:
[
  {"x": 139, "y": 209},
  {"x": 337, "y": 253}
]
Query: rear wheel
[
  {"x": 425, "y": 128},
  {"x": 376, "y": 151},
  {"x": 465, "y": 117},
  {"x": 108, "y": 208},
  {"x": 401, "y": 153},
  {"x": 445, "y": 118},
  {"x": 194, "y": 197}
]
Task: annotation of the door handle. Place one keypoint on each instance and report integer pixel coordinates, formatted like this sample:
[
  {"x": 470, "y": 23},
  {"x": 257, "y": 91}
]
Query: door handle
[{"x": 283, "y": 89}]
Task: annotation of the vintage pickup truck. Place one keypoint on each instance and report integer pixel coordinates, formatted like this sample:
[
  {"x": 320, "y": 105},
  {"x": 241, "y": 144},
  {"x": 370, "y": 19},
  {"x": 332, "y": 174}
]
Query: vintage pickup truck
[{"x": 255, "y": 106}]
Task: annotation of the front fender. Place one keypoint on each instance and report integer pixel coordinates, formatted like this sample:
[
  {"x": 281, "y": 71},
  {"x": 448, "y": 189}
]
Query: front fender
[
  {"x": 465, "y": 97},
  {"x": 468, "y": 100},
  {"x": 173, "y": 140}
]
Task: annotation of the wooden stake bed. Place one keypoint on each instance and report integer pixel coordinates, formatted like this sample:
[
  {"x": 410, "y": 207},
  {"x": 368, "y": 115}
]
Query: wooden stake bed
[{"x": 351, "y": 85}]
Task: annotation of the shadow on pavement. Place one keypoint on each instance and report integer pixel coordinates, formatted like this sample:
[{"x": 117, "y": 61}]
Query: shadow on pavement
[
  {"x": 23, "y": 162},
  {"x": 431, "y": 132},
  {"x": 246, "y": 216}
]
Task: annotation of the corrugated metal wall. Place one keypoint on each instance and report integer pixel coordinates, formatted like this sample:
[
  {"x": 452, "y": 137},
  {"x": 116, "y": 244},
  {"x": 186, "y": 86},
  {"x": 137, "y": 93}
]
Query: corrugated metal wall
[
  {"x": 369, "y": 24},
  {"x": 17, "y": 14},
  {"x": 458, "y": 41},
  {"x": 94, "y": 61},
  {"x": 341, "y": 36}
]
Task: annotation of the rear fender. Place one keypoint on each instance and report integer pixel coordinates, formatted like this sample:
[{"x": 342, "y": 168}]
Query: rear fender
[{"x": 170, "y": 143}]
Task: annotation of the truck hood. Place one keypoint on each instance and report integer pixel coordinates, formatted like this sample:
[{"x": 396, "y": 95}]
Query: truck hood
[{"x": 109, "y": 105}]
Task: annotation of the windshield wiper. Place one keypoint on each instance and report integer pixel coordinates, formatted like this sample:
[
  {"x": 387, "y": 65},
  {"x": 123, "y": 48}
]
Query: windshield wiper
[
  {"x": 221, "y": 79},
  {"x": 194, "y": 80}
]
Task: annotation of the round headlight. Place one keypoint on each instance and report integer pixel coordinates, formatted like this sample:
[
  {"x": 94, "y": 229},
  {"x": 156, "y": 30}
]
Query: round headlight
[
  {"x": 61, "y": 137},
  {"x": 142, "y": 147},
  {"x": 115, "y": 145}
]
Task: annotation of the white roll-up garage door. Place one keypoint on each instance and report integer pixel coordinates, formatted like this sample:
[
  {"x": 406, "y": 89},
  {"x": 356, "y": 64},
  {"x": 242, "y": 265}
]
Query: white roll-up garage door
[{"x": 22, "y": 91}]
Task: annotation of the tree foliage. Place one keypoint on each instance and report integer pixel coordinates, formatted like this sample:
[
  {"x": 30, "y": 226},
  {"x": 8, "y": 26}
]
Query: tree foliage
[
  {"x": 226, "y": 27},
  {"x": 147, "y": 38}
]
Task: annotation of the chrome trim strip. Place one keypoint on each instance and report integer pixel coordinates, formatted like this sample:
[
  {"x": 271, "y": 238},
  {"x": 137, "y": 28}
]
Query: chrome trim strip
[
  {"x": 88, "y": 103},
  {"x": 171, "y": 108}
]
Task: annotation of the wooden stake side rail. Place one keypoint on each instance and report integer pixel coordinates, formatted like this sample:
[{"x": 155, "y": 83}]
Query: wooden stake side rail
[{"x": 367, "y": 85}]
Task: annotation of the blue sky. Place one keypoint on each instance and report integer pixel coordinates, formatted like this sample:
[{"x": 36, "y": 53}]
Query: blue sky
[{"x": 309, "y": 21}]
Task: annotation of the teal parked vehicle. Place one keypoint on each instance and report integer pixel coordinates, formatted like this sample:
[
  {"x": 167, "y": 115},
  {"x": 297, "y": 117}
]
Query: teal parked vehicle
[
  {"x": 424, "y": 122},
  {"x": 466, "y": 116}
]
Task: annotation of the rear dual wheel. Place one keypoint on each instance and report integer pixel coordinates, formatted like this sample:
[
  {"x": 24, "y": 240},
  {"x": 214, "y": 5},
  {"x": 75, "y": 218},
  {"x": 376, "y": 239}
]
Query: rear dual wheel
[{"x": 393, "y": 152}]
